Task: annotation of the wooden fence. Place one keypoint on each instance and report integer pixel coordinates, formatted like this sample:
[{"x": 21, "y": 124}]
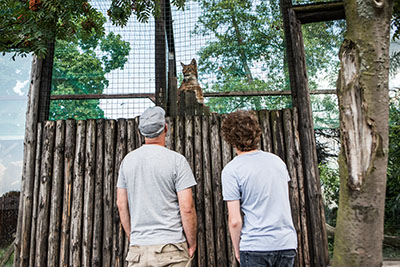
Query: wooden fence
[{"x": 73, "y": 219}]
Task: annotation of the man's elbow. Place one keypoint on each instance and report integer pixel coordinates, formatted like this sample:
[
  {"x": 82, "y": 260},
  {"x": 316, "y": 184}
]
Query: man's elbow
[
  {"x": 235, "y": 223},
  {"x": 122, "y": 204},
  {"x": 189, "y": 210}
]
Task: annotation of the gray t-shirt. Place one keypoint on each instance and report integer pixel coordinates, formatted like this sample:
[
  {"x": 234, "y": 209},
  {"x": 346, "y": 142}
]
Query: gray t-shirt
[
  {"x": 153, "y": 175},
  {"x": 260, "y": 181}
]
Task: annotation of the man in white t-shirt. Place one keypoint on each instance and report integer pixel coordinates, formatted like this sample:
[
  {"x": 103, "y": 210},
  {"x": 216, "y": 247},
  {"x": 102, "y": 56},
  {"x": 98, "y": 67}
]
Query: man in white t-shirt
[
  {"x": 154, "y": 198},
  {"x": 256, "y": 183}
]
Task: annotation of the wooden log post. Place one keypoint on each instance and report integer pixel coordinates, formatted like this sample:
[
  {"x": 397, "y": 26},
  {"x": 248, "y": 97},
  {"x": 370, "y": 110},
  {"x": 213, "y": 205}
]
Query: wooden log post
[
  {"x": 25, "y": 203},
  {"x": 301, "y": 100},
  {"x": 75, "y": 256},
  {"x": 69, "y": 155},
  {"x": 88, "y": 202},
  {"x": 278, "y": 142},
  {"x": 302, "y": 198},
  {"x": 208, "y": 195},
  {"x": 198, "y": 174},
  {"x": 293, "y": 184},
  {"x": 227, "y": 156},
  {"x": 266, "y": 137},
  {"x": 170, "y": 137},
  {"x": 160, "y": 57},
  {"x": 98, "y": 196},
  {"x": 118, "y": 231},
  {"x": 180, "y": 134},
  {"x": 56, "y": 196},
  {"x": 219, "y": 213},
  {"x": 46, "y": 169},
  {"x": 36, "y": 194},
  {"x": 108, "y": 191}
]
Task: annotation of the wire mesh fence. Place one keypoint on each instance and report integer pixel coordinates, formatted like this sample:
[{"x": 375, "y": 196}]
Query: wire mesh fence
[{"x": 237, "y": 46}]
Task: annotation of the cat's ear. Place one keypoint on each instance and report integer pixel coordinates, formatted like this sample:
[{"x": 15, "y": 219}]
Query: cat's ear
[
  {"x": 193, "y": 62},
  {"x": 183, "y": 65}
]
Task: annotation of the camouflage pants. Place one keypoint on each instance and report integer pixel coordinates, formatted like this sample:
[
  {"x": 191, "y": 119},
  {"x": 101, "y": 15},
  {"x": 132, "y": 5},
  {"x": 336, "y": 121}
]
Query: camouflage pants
[{"x": 174, "y": 255}]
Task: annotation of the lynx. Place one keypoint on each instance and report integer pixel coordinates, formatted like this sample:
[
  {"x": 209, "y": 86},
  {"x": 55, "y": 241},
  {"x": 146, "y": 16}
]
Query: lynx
[{"x": 190, "y": 80}]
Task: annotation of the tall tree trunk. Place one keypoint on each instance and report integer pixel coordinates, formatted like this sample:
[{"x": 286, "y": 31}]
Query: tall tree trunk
[{"x": 363, "y": 101}]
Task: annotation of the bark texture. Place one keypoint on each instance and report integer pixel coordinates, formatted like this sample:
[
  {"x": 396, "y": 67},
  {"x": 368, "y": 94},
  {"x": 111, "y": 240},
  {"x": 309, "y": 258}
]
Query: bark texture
[{"x": 363, "y": 101}]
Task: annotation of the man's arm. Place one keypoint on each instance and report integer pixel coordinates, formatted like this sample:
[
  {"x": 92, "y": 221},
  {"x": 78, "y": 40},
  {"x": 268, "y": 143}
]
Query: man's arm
[
  {"x": 189, "y": 218},
  {"x": 235, "y": 225},
  {"x": 123, "y": 208}
]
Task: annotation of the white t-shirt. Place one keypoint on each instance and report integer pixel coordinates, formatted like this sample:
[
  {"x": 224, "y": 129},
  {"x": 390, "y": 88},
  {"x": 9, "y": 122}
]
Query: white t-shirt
[
  {"x": 260, "y": 181},
  {"x": 153, "y": 175}
]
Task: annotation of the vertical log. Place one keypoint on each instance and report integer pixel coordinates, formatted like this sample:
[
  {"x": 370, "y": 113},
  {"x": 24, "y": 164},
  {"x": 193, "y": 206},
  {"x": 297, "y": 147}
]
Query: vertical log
[
  {"x": 170, "y": 137},
  {"x": 108, "y": 183},
  {"x": 180, "y": 135},
  {"x": 226, "y": 158},
  {"x": 69, "y": 155},
  {"x": 98, "y": 196},
  {"x": 301, "y": 100},
  {"x": 131, "y": 145},
  {"x": 25, "y": 209},
  {"x": 198, "y": 170},
  {"x": 44, "y": 194},
  {"x": 139, "y": 138},
  {"x": 118, "y": 231},
  {"x": 219, "y": 213},
  {"x": 160, "y": 57},
  {"x": 56, "y": 196},
  {"x": 277, "y": 134},
  {"x": 302, "y": 199},
  {"x": 208, "y": 195},
  {"x": 293, "y": 184},
  {"x": 88, "y": 202},
  {"x": 36, "y": 194},
  {"x": 75, "y": 255},
  {"x": 266, "y": 137}
]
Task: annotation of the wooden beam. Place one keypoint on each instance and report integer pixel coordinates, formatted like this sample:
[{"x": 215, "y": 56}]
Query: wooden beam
[
  {"x": 265, "y": 93},
  {"x": 319, "y": 12},
  {"x": 151, "y": 96},
  {"x": 160, "y": 57}
]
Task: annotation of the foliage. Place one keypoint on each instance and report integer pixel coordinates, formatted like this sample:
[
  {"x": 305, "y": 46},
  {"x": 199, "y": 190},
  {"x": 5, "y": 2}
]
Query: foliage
[
  {"x": 121, "y": 10},
  {"x": 29, "y": 26},
  {"x": 396, "y": 20},
  {"x": 330, "y": 181},
  {"x": 247, "y": 50},
  {"x": 78, "y": 70},
  {"x": 392, "y": 203}
]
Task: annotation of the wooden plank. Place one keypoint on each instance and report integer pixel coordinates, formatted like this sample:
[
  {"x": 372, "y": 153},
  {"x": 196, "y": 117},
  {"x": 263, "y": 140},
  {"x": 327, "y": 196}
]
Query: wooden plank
[
  {"x": 266, "y": 136},
  {"x": 302, "y": 199},
  {"x": 208, "y": 195},
  {"x": 131, "y": 145},
  {"x": 180, "y": 134},
  {"x": 266, "y": 93},
  {"x": 88, "y": 200},
  {"x": 293, "y": 184},
  {"x": 28, "y": 172},
  {"x": 139, "y": 138},
  {"x": 198, "y": 174},
  {"x": 69, "y": 155},
  {"x": 277, "y": 134},
  {"x": 118, "y": 231},
  {"x": 56, "y": 196},
  {"x": 36, "y": 194},
  {"x": 75, "y": 256},
  {"x": 108, "y": 187},
  {"x": 44, "y": 194},
  {"x": 98, "y": 196},
  {"x": 219, "y": 213},
  {"x": 318, "y": 12},
  {"x": 226, "y": 158},
  {"x": 160, "y": 57},
  {"x": 170, "y": 137}
]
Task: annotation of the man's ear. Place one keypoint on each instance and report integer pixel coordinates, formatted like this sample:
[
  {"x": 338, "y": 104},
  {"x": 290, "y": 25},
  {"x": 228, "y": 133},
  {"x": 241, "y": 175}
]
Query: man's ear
[{"x": 166, "y": 128}]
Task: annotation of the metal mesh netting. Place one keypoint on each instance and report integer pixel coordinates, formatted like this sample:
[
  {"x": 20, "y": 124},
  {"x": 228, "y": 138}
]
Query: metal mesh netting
[{"x": 238, "y": 46}]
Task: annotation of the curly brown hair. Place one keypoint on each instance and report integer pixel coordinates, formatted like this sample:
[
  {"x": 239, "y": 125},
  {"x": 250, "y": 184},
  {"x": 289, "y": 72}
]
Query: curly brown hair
[{"x": 242, "y": 130}]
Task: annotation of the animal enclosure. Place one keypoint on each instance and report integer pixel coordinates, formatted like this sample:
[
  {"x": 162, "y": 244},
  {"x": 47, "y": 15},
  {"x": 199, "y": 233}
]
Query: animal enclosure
[{"x": 75, "y": 220}]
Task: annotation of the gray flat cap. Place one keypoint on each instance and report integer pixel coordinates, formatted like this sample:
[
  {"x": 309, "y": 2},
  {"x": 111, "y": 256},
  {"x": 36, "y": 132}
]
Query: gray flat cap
[{"x": 152, "y": 122}]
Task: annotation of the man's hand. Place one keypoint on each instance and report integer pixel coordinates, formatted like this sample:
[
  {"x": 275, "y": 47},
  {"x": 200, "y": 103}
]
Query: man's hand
[{"x": 192, "y": 250}]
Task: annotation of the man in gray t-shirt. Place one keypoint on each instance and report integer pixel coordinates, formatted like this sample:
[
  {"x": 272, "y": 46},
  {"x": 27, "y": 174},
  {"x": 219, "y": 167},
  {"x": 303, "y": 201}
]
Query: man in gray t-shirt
[
  {"x": 154, "y": 198},
  {"x": 256, "y": 183}
]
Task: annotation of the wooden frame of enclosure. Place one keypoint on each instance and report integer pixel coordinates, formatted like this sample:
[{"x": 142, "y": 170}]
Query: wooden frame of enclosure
[{"x": 38, "y": 108}]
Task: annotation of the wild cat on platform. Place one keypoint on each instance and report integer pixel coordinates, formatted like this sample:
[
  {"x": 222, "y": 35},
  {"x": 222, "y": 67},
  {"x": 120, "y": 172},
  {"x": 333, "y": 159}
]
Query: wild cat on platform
[{"x": 190, "y": 80}]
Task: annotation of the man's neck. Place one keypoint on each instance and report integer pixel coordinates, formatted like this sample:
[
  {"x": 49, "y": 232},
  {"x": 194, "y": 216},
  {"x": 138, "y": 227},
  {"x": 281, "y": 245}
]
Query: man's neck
[
  {"x": 239, "y": 152},
  {"x": 159, "y": 141}
]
